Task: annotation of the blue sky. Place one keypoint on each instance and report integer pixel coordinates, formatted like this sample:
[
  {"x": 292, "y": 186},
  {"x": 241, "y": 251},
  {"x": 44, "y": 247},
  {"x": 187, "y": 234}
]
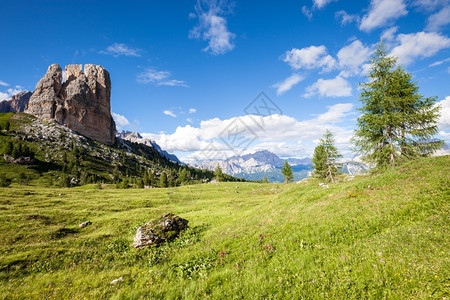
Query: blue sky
[{"x": 184, "y": 72}]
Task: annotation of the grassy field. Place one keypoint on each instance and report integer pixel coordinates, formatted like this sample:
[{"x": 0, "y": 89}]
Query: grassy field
[{"x": 380, "y": 236}]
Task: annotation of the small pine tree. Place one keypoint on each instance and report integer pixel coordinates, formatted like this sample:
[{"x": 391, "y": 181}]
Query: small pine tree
[
  {"x": 140, "y": 183},
  {"x": 4, "y": 181},
  {"x": 23, "y": 178},
  {"x": 287, "y": 172},
  {"x": 125, "y": 183},
  {"x": 319, "y": 162},
  {"x": 163, "y": 180},
  {"x": 183, "y": 176},
  {"x": 64, "y": 180},
  {"x": 265, "y": 180},
  {"x": 218, "y": 174},
  {"x": 9, "y": 148},
  {"x": 325, "y": 158}
]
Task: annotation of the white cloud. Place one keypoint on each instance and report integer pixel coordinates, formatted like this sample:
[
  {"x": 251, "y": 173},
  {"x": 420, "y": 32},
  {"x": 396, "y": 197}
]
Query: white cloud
[
  {"x": 118, "y": 49},
  {"x": 307, "y": 12},
  {"x": 169, "y": 113},
  {"x": 282, "y": 149},
  {"x": 189, "y": 120},
  {"x": 389, "y": 34},
  {"x": 344, "y": 18},
  {"x": 288, "y": 83},
  {"x": 444, "y": 120},
  {"x": 159, "y": 78},
  {"x": 335, "y": 113},
  {"x": 440, "y": 62},
  {"x": 321, "y": 3},
  {"x": 277, "y": 129},
  {"x": 212, "y": 27},
  {"x": 310, "y": 58},
  {"x": 2, "y": 83},
  {"x": 444, "y": 134},
  {"x": 120, "y": 120},
  {"x": 10, "y": 92},
  {"x": 192, "y": 110},
  {"x": 438, "y": 20},
  {"x": 337, "y": 87},
  {"x": 352, "y": 57},
  {"x": 418, "y": 45},
  {"x": 430, "y": 5},
  {"x": 381, "y": 13},
  {"x": 15, "y": 90},
  {"x": 4, "y": 96}
]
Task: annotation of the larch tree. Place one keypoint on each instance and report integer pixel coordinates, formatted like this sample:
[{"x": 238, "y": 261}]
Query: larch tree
[
  {"x": 396, "y": 122},
  {"x": 286, "y": 170},
  {"x": 218, "y": 173},
  {"x": 325, "y": 158}
]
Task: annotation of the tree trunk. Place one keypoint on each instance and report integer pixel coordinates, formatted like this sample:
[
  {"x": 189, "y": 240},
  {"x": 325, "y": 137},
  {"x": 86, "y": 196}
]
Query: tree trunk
[
  {"x": 330, "y": 173},
  {"x": 392, "y": 159}
]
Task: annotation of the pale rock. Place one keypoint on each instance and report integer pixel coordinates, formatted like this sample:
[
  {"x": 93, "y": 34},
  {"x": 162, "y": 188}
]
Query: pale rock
[{"x": 82, "y": 102}]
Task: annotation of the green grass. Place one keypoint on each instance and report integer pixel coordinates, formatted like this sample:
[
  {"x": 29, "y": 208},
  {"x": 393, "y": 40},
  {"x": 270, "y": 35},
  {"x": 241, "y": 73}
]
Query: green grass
[{"x": 379, "y": 236}]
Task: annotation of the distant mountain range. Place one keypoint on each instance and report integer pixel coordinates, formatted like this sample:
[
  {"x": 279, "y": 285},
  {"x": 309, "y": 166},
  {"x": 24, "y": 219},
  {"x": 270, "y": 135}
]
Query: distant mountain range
[
  {"x": 265, "y": 163},
  {"x": 258, "y": 165},
  {"x": 135, "y": 137}
]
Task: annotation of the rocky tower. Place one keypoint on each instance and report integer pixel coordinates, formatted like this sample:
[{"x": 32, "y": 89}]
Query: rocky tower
[{"x": 82, "y": 102}]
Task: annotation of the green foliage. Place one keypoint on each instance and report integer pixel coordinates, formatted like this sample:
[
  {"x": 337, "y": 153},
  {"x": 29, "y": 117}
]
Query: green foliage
[
  {"x": 184, "y": 176},
  {"x": 163, "y": 180},
  {"x": 4, "y": 181},
  {"x": 397, "y": 123},
  {"x": 218, "y": 174},
  {"x": 379, "y": 236},
  {"x": 9, "y": 148},
  {"x": 196, "y": 266},
  {"x": 86, "y": 161},
  {"x": 325, "y": 158},
  {"x": 265, "y": 180},
  {"x": 287, "y": 172},
  {"x": 125, "y": 183},
  {"x": 64, "y": 180}
]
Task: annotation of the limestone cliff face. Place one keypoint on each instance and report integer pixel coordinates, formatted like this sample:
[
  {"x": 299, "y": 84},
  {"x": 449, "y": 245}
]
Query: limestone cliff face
[{"x": 82, "y": 102}]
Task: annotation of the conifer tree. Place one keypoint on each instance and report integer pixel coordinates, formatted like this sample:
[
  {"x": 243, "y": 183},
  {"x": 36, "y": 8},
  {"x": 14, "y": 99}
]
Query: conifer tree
[
  {"x": 325, "y": 158},
  {"x": 218, "y": 174},
  {"x": 287, "y": 172},
  {"x": 163, "y": 180},
  {"x": 397, "y": 122}
]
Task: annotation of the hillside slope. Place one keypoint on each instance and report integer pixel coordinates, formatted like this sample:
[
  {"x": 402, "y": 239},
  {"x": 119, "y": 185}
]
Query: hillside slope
[
  {"x": 61, "y": 154},
  {"x": 366, "y": 237}
]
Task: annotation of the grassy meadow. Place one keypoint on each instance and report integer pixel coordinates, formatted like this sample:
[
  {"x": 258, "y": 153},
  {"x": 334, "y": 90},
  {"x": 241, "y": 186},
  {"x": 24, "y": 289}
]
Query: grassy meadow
[{"x": 366, "y": 237}]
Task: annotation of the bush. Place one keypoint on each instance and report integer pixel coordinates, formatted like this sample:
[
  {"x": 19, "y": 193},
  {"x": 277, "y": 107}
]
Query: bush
[{"x": 4, "y": 182}]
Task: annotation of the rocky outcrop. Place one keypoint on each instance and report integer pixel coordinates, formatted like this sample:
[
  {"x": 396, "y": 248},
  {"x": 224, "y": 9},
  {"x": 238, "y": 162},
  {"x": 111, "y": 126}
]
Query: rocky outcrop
[
  {"x": 82, "y": 102},
  {"x": 17, "y": 103},
  {"x": 165, "y": 229}
]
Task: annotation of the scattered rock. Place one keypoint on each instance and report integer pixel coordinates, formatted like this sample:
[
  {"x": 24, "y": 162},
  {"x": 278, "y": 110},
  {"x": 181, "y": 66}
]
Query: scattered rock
[
  {"x": 21, "y": 160},
  {"x": 323, "y": 185},
  {"x": 120, "y": 279},
  {"x": 164, "y": 229},
  {"x": 84, "y": 224}
]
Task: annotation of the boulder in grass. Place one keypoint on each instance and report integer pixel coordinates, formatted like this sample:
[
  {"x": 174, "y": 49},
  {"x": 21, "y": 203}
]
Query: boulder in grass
[
  {"x": 84, "y": 224},
  {"x": 164, "y": 229}
]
